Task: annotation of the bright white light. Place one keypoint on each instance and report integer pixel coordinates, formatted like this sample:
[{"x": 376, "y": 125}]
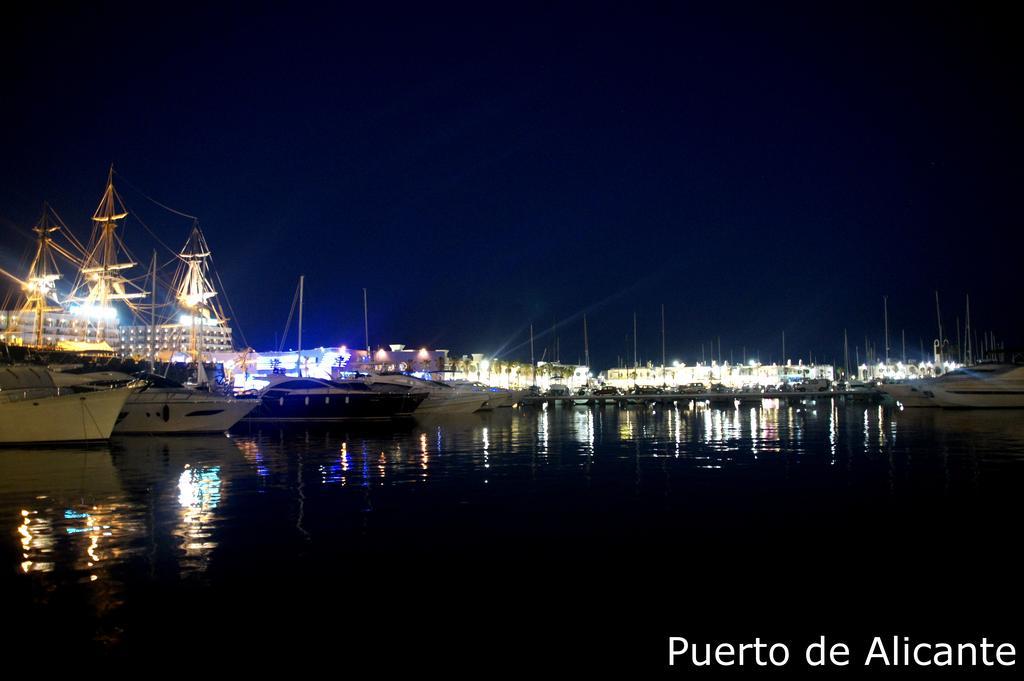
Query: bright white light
[
  {"x": 243, "y": 382},
  {"x": 93, "y": 311},
  {"x": 186, "y": 320}
]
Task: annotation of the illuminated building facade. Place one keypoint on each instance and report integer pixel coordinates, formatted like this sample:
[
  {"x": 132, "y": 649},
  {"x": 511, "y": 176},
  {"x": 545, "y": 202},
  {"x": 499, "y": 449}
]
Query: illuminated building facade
[
  {"x": 335, "y": 363},
  {"x": 167, "y": 340},
  {"x": 59, "y": 329},
  {"x": 68, "y": 331},
  {"x": 729, "y": 375},
  {"x": 329, "y": 363},
  {"x": 399, "y": 358},
  {"x": 500, "y": 373},
  {"x": 898, "y": 371}
]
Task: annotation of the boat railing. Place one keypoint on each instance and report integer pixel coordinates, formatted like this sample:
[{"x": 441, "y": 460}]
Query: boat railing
[
  {"x": 45, "y": 392},
  {"x": 23, "y": 394}
]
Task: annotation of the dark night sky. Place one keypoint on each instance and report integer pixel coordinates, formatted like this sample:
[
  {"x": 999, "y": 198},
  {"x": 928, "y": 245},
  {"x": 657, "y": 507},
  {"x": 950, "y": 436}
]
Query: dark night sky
[{"x": 753, "y": 169}]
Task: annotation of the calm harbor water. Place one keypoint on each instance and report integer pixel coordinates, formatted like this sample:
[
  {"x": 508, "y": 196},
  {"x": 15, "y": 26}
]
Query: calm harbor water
[{"x": 582, "y": 535}]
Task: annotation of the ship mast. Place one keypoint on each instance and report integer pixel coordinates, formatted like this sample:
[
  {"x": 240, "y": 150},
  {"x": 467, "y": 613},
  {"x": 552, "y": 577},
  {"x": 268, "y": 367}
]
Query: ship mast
[
  {"x": 152, "y": 318},
  {"x": 194, "y": 291},
  {"x": 40, "y": 289},
  {"x": 101, "y": 271}
]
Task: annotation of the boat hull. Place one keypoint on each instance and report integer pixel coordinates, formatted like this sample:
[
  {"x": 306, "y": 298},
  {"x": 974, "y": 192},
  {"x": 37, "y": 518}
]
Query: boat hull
[
  {"x": 369, "y": 406},
  {"x": 72, "y": 417},
  {"x": 982, "y": 386},
  {"x": 979, "y": 398},
  {"x": 508, "y": 398},
  {"x": 153, "y": 413},
  {"x": 911, "y": 395},
  {"x": 460, "y": 404}
]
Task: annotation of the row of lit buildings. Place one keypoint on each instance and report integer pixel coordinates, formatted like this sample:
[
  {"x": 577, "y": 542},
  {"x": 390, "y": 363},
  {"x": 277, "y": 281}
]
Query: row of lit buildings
[
  {"x": 726, "y": 374},
  {"x": 436, "y": 364},
  {"x": 341, "y": 362},
  {"x": 68, "y": 331}
]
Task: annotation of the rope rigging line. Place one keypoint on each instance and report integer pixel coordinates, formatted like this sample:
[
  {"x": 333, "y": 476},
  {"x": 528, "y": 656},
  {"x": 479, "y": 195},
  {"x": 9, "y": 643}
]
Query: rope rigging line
[
  {"x": 150, "y": 198},
  {"x": 160, "y": 241},
  {"x": 234, "y": 316}
]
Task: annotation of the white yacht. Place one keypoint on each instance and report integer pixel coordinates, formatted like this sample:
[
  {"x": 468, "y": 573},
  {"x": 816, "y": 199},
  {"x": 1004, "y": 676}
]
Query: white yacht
[
  {"x": 33, "y": 409},
  {"x": 507, "y": 397},
  {"x": 912, "y": 394},
  {"x": 983, "y": 386},
  {"x": 164, "y": 406},
  {"x": 442, "y": 398},
  {"x": 495, "y": 397}
]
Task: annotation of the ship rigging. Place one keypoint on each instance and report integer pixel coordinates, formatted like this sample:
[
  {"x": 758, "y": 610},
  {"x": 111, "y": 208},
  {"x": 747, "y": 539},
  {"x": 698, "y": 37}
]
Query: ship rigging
[{"x": 188, "y": 321}]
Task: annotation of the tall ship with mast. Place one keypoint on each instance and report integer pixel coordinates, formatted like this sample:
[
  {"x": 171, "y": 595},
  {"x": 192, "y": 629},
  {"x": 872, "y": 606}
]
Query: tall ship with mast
[
  {"x": 105, "y": 311},
  {"x": 85, "y": 323}
]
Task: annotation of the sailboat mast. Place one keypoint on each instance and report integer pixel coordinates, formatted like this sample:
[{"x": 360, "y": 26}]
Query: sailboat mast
[
  {"x": 885, "y": 306},
  {"x": 302, "y": 283},
  {"x": 366, "y": 324},
  {"x": 635, "y": 363},
  {"x": 663, "y": 343},
  {"x": 152, "y": 316},
  {"x": 959, "y": 349},
  {"x": 586, "y": 343},
  {"x": 533, "y": 364},
  {"x": 846, "y": 355},
  {"x": 967, "y": 330}
]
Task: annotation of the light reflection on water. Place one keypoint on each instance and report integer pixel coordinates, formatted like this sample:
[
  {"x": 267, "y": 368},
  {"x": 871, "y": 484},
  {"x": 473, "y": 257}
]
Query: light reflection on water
[
  {"x": 100, "y": 519},
  {"x": 199, "y": 495}
]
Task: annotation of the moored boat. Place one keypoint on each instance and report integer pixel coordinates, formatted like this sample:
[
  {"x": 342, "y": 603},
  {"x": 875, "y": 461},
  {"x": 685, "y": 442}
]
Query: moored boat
[
  {"x": 500, "y": 398},
  {"x": 308, "y": 399},
  {"x": 441, "y": 398},
  {"x": 33, "y": 409},
  {"x": 913, "y": 394},
  {"x": 163, "y": 406},
  {"x": 981, "y": 386}
]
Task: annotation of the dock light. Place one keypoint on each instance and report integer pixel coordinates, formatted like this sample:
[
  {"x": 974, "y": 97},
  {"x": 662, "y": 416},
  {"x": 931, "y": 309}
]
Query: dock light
[{"x": 675, "y": 363}]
